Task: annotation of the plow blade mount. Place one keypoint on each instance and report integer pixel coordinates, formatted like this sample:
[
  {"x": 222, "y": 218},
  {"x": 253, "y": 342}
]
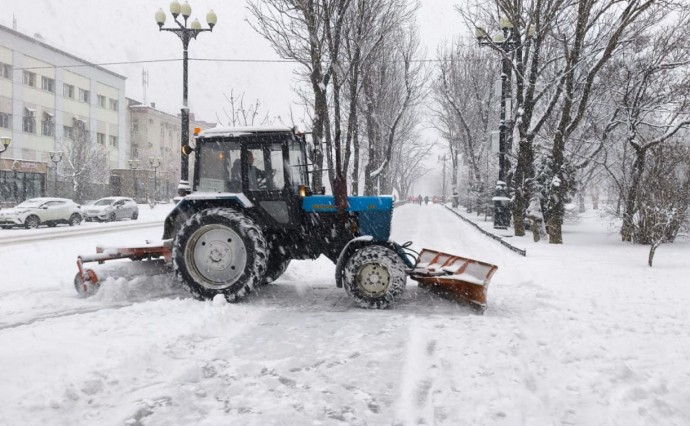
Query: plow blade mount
[
  {"x": 86, "y": 281},
  {"x": 454, "y": 277}
]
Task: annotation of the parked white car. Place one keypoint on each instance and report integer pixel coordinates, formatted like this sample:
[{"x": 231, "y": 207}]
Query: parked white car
[
  {"x": 42, "y": 211},
  {"x": 111, "y": 209}
]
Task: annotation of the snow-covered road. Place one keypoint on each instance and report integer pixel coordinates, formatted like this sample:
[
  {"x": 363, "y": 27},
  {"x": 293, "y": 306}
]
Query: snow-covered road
[{"x": 573, "y": 335}]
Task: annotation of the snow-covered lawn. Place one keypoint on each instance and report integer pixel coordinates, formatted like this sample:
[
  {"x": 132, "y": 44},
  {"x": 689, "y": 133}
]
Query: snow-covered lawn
[{"x": 580, "y": 334}]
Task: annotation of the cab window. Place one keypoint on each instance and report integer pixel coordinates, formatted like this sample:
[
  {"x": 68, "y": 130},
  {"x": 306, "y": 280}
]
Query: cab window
[
  {"x": 297, "y": 167},
  {"x": 219, "y": 173},
  {"x": 266, "y": 171}
]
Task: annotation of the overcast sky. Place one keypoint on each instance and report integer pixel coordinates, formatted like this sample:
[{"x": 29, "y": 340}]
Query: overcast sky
[{"x": 125, "y": 31}]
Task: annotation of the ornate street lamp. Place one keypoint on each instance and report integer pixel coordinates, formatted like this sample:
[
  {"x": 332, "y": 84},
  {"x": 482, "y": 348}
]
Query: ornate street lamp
[
  {"x": 134, "y": 164},
  {"x": 4, "y": 143},
  {"x": 55, "y": 157},
  {"x": 155, "y": 162},
  {"x": 505, "y": 43},
  {"x": 186, "y": 34}
]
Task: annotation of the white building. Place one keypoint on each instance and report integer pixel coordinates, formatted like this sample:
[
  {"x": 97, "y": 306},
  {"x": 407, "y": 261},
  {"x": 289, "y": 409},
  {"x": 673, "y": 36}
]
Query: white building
[
  {"x": 154, "y": 156},
  {"x": 42, "y": 91}
]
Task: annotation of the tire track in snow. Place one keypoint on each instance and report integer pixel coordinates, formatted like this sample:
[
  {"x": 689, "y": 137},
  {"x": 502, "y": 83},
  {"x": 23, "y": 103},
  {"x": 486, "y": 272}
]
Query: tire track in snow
[
  {"x": 420, "y": 372},
  {"x": 82, "y": 311}
]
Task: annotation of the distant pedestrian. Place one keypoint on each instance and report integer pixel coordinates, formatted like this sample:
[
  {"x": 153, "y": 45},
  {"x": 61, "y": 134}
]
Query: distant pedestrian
[
  {"x": 419, "y": 199},
  {"x": 426, "y": 200}
]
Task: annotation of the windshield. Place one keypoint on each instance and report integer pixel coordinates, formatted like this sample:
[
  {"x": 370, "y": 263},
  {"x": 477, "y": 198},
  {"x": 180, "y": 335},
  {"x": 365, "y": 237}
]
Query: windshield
[
  {"x": 30, "y": 203},
  {"x": 104, "y": 202}
]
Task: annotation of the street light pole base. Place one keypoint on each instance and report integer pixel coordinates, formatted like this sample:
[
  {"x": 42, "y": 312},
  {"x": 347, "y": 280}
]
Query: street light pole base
[{"x": 501, "y": 202}]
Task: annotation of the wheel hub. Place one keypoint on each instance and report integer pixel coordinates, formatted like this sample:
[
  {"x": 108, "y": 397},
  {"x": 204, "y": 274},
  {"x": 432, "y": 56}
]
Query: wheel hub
[
  {"x": 373, "y": 279},
  {"x": 218, "y": 255}
]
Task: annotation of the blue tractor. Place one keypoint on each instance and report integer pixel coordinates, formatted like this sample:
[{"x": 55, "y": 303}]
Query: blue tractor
[{"x": 252, "y": 210}]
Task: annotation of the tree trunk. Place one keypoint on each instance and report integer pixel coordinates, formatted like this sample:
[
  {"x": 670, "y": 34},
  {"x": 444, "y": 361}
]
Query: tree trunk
[
  {"x": 628, "y": 227},
  {"x": 652, "y": 250}
]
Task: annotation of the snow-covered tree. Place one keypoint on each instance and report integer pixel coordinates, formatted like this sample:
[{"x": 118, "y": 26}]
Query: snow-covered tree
[{"x": 84, "y": 162}]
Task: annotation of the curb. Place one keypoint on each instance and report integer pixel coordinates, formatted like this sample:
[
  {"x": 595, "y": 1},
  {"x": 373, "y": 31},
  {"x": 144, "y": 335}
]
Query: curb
[{"x": 503, "y": 242}]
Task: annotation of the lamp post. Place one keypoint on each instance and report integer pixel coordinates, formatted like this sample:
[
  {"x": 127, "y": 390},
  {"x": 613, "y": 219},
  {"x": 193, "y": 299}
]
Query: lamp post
[
  {"x": 134, "y": 164},
  {"x": 155, "y": 162},
  {"x": 443, "y": 158},
  {"x": 186, "y": 34},
  {"x": 55, "y": 157},
  {"x": 4, "y": 143},
  {"x": 505, "y": 43}
]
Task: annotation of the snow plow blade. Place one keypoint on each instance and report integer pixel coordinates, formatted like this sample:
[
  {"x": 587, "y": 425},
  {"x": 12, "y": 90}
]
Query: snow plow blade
[
  {"x": 86, "y": 281},
  {"x": 454, "y": 277}
]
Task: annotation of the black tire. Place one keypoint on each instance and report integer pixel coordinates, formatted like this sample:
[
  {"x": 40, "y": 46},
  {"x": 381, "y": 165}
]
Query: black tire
[
  {"x": 277, "y": 264},
  {"x": 135, "y": 215},
  {"x": 5, "y": 227},
  {"x": 220, "y": 251},
  {"x": 374, "y": 276},
  {"x": 32, "y": 222},
  {"x": 75, "y": 219},
  {"x": 112, "y": 217}
]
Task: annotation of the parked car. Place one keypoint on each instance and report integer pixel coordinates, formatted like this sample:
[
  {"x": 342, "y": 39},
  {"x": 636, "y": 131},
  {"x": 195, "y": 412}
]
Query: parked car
[
  {"x": 42, "y": 211},
  {"x": 111, "y": 209}
]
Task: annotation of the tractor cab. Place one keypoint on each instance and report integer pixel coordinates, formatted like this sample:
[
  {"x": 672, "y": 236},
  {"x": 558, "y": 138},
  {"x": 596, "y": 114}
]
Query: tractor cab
[{"x": 265, "y": 166}]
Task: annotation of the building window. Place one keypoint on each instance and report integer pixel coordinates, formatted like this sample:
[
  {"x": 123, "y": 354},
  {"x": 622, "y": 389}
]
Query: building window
[
  {"x": 48, "y": 125},
  {"x": 101, "y": 101},
  {"x": 100, "y": 138},
  {"x": 68, "y": 91},
  {"x": 84, "y": 95},
  {"x": 67, "y": 131},
  {"x": 135, "y": 126},
  {"x": 29, "y": 121},
  {"x": 30, "y": 78},
  {"x": 5, "y": 120},
  {"x": 162, "y": 130},
  {"x": 113, "y": 141},
  {"x": 48, "y": 84},
  {"x": 113, "y": 104},
  {"x": 5, "y": 70}
]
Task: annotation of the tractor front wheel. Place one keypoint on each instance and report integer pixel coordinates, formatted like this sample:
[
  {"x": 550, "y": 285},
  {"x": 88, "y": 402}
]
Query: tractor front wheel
[
  {"x": 374, "y": 276},
  {"x": 277, "y": 264},
  {"x": 220, "y": 251}
]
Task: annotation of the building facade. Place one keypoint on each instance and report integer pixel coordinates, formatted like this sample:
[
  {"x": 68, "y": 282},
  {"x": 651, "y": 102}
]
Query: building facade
[
  {"x": 154, "y": 136},
  {"x": 44, "y": 93}
]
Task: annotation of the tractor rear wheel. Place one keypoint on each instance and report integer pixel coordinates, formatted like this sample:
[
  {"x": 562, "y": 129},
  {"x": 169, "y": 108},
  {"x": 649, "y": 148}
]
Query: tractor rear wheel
[
  {"x": 220, "y": 251},
  {"x": 374, "y": 276}
]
